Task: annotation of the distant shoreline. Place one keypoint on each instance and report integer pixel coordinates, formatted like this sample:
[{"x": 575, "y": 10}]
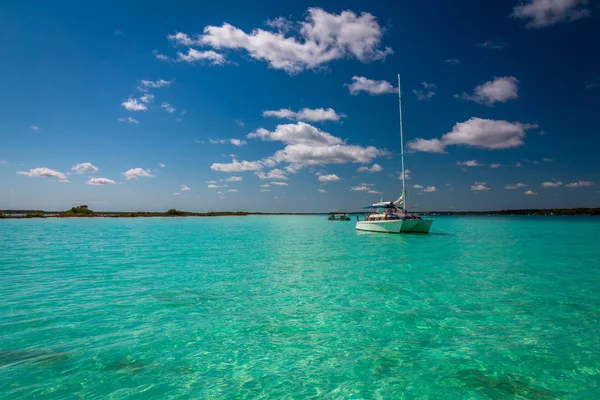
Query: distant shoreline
[{"x": 26, "y": 214}]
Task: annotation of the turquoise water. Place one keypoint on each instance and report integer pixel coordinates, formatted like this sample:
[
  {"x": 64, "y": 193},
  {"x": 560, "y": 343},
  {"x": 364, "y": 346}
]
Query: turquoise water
[{"x": 299, "y": 307}]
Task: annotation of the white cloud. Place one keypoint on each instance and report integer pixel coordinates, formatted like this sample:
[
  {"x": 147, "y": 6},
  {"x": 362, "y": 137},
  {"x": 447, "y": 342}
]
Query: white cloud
[
  {"x": 530, "y": 193},
  {"x": 45, "y": 173},
  {"x": 266, "y": 185},
  {"x": 542, "y": 13},
  {"x": 321, "y": 38},
  {"x": 495, "y": 165},
  {"x": 306, "y": 154},
  {"x": 129, "y": 120},
  {"x": 100, "y": 182},
  {"x": 279, "y": 184},
  {"x": 237, "y": 142},
  {"x": 234, "y": 179},
  {"x": 477, "y": 132},
  {"x": 272, "y": 174},
  {"x": 360, "y": 188},
  {"x": 184, "y": 188},
  {"x": 427, "y": 145},
  {"x": 281, "y": 113},
  {"x": 372, "y": 169},
  {"x": 407, "y": 174},
  {"x": 500, "y": 90},
  {"x": 428, "y": 93},
  {"x": 470, "y": 163},
  {"x": 322, "y": 191},
  {"x": 281, "y": 24},
  {"x": 554, "y": 183},
  {"x": 34, "y": 127},
  {"x": 453, "y": 61},
  {"x": 299, "y": 133},
  {"x": 265, "y": 190},
  {"x": 305, "y": 114},
  {"x": 236, "y": 166},
  {"x": 83, "y": 168},
  {"x": 491, "y": 45},
  {"x": 580, "y": 184},
  {"x": 292, "y": 168},
  {"x": 305, "y": 145},
  {"x": 193, "y": 55},
  {"x": 548, "y": 160},
  {"x": 133, "y": 105},
  {"x": 329, "y": 178},
  {"x": 135, "y": 173},
  {"x": 213, "y": 182},
  {"x": 427, "y": 189},
  {"x": 362, "y": 84},
  {"x": 308, "y": 145},
  {"x": 593, "y": 83},
  {"x": 181, "y": 39},
  {"x": 147, "y": 98},
  {"x": 168, "y": 108},
  {"x": 516, "y": 186},
  {"x": 154, "y": 84},
  {"x": 518, "y": 164},
  {"x": 232, "y": 190},
  {"x": 3, "y": 162},
  {"x": 213, "y": 186},
  {"x": 479, "y": 186},
  {"x": 162, "y": 165}
]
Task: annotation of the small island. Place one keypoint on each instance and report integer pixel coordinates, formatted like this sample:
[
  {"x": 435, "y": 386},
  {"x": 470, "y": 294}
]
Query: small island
[{"x": 81, "y": 211}]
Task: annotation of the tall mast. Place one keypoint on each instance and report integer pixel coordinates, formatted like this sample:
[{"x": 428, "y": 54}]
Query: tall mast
[{"x": 402, "y": 143}]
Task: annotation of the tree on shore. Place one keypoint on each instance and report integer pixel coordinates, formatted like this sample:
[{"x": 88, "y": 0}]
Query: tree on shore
[
  {"x": 173, "y": 212},
  {"x": 79, "y": 211}
]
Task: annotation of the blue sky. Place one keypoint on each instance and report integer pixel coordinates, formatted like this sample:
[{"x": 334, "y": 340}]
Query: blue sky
[{"x": 279, "y": 107}]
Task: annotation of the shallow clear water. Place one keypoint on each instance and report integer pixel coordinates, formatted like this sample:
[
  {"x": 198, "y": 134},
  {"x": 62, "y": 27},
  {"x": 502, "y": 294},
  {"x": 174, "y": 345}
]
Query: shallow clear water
[{"x": 299, "y": 307}]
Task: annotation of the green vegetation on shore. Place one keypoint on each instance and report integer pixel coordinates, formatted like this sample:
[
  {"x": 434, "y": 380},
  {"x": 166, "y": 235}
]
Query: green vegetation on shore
[
  {"x": 551, "y": 211},
  {"x": 81, "y": 211},
  {"x": 84, "y": 211}
]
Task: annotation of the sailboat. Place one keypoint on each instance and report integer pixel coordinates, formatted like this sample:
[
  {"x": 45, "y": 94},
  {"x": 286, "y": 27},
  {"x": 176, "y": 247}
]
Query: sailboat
[{"x": 391, "y": 216}]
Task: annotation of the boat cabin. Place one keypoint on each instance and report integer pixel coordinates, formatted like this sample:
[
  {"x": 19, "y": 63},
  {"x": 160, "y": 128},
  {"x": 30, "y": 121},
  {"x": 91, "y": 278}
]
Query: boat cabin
[{"x": 388, "y": 212}]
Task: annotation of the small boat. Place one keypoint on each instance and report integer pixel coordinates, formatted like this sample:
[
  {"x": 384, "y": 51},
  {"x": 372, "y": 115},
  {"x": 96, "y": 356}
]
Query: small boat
[
  {"x": 333, "y": 216},
  {"x": 391, "y": 216}
]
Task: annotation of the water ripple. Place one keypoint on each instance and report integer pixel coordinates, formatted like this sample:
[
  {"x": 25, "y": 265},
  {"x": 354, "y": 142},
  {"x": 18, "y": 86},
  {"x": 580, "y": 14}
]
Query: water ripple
[{"x": 298, "y": 307}]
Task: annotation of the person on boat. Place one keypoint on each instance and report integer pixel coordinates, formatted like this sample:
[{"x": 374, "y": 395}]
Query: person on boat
[{"x": 389, "y": 212}]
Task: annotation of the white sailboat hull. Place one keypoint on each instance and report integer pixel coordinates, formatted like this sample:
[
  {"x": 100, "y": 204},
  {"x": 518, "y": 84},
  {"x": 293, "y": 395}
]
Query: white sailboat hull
[{"x": 395, "y": 226}]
